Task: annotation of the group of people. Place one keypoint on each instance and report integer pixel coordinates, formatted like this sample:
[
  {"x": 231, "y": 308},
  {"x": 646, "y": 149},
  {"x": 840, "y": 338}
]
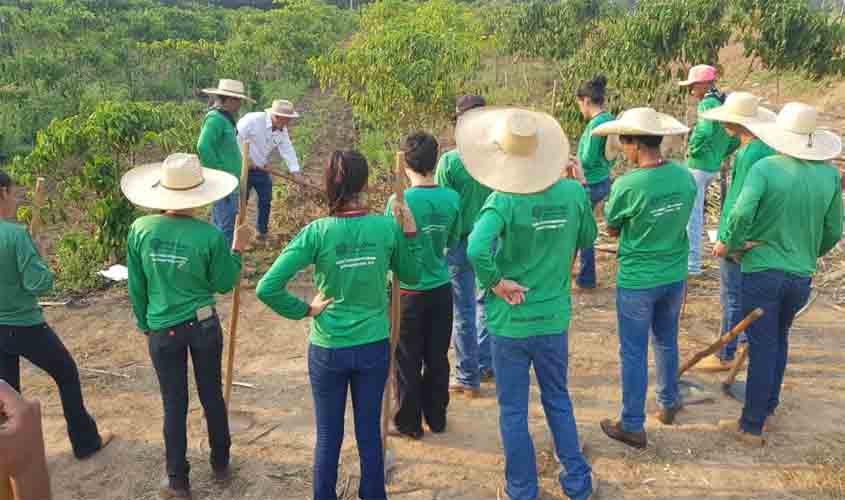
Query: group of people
[{"x": 482, "y": 245}]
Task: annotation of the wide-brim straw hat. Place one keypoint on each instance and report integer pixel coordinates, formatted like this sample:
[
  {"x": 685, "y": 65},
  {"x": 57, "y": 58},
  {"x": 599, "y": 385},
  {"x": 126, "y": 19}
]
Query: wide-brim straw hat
[
  {"x": 177, "y": 183},
  {"x": 513, "y": 150},
  {"x": 701, "y": 73},
  {"x": 283, "y": 108},
  {"x": 741, "y": 108},
  {"x": 642, "y": 121},
  {"x": 229, "y": 88},
  {"x": 795, "y": 133}
]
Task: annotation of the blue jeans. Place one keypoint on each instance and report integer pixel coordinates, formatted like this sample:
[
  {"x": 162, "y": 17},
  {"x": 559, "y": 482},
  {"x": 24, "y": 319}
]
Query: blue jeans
[
  {"x": 512, "y": 359},
  {"x": 640, "y": 312},
  {"x": 781, "y": 295},
  {"x": 695, "y": 227},
  {"x": 587, "y": 276},
  {"x": 333, "y": 372},
  {"x": 262, "y": 183},
  {"x": 471, "y": 337},
  {"x": 224, "y": 214},
  {"x": 730, "y": 294}
]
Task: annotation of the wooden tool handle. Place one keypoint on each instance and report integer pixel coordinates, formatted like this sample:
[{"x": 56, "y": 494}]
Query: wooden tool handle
[
  {"x": 738, "y": 363},
  {"x": 37, "y": 222},
  {"x": 723, "y": 340}
]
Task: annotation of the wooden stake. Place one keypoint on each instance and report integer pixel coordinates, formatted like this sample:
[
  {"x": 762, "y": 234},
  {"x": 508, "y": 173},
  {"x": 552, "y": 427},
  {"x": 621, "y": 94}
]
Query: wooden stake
[
  {"x": 37, "y": 204},
  {"x": 395, "y": 314},
  {"x": 236, "y": 297}
]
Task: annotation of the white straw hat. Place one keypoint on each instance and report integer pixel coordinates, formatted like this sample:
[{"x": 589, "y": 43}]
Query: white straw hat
[
  {"x": 229, "y": 88},
  {"x": 177, "y": 183},
  {"x": 741, "y": 108},
  {"x": 795, "y": 133},
  {"x": 512, "y": 150},
  {"x": 642, "y": 121},
  {"x": 283, "y": 108}
]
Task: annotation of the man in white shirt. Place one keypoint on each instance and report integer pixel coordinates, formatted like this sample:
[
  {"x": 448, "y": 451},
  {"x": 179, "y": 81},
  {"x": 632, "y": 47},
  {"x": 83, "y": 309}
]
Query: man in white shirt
[{"x": 265, "y": 131}]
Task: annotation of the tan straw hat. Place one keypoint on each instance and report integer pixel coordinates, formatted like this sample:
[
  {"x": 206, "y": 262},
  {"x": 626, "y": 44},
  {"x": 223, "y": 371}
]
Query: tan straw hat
[
  {"x": 229, "y": 88},
  {"x": 177, "y": 183},
  {"x": 642, "y": 121},
  {"x": 512, "y": 150},
  {"x": 283, "y": 108},
  {"x": 741, "y": 108},
  {"x": 795, "y": 133}
]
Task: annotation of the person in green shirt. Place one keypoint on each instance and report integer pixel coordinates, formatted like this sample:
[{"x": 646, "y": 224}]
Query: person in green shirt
[
  {"x": 740, "y": 109},
  {"x": 471, "y": 337},
  {"x": 788, "y": 215},
  {"x": 218, "y": 148},
  {"x": 593, "y": 161},
  {"x": 539, "y": 221},
  {"x": 352, "y": 251},
  {"x": 709, "y": 145},
  {"x": 422, "y": 355},
  {"x": 177, "y": 263},
  {"x": 648, "y": 209},
  {"x": 24, "y": 276}
]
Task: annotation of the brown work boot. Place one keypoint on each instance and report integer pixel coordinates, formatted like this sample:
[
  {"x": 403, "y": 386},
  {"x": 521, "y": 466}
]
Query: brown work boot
[
  {"x": 106, "y": 438},
  {"x": 615, "y": 431},
  {"x": 733, "y": 428},
  {"x": 169, "y": 491},
  {"x": 714, "y": 364},
  {"x": 666, "y": 416},
  {"x": 470, "y": 392}
]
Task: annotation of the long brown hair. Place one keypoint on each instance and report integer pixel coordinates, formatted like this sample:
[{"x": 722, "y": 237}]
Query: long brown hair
[{"x": 346, "y": 176}]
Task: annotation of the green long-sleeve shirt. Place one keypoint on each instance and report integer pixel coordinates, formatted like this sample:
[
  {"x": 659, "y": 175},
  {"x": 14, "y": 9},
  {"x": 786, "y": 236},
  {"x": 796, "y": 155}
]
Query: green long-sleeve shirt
[
  {"x": 218, "y": 146},
  {"x": 709, "y": 143},
  {"x": 23, "y": 277},
  {"x": 537, "y": 237},
  {"x": 591, "y": 151},
  {"x": 176, "y": 265},
  {"x": 793, "y": 208},
  {"x": 436, "y": 212},
  {"x": 746, "y": 157},
  {"x": 451, "y": 173},
  {"x": 352, "y": 255}
]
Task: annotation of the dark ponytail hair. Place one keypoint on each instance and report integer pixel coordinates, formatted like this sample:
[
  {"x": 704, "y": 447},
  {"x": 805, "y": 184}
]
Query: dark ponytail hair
[
  {"x": 346, "y": 177},
  {"x": 594, "y": 89}
]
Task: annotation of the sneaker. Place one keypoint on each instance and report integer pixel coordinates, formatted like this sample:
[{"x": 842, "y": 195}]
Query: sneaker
[
  {"x": 666, "y": 416},
  {"x": 733, "y": 428},
  {"x": 714, "y": 364},
  {"x": 470, "y": 392},
  {"x": 614, "y": 430},
  {"x": 169, "y": 491}
]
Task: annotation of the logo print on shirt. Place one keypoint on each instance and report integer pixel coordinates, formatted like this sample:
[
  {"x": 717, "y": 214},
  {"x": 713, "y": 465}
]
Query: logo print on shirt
[
  {"x": 664, "y": 205},
  {"x": 350, "y": 256},
  {"x": 435, "y": 222},
  {"x": 167, "y": 252},
  {"x": 548, "y": 217}
]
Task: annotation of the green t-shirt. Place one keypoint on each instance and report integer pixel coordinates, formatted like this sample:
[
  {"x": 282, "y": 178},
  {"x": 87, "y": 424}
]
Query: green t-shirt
[
  {"x": 352, "y": 255},
  {"x": 437, "y": 214},
  {"x": 218, "y": 146},
  {"x": 746, "y": 157},
  {"x": 23, "y": 277},
  {"x": 794, "y": 208},
  {"x": 537, "y": 237},
  {"x": 176, "y": 265},
  {"x": 709, "y": 143},
  {"x": 451, "y": 173},
  {"x": 591, "y": 151},
  {"x": 651, "y": 207}
]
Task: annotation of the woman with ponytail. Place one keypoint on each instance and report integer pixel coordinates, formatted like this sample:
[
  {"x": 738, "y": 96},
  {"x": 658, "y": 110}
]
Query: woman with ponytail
[
  {"x": 593, "y": 161},
  {"x": 352, "y": 250}
]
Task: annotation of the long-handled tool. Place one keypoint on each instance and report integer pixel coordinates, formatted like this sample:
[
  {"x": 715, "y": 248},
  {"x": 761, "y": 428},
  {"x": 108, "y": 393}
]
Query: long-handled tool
[
  {"x": 723, "y": 341},
  {"x": 730, "y": 386},
  {"x": 237, "y": 424},
  {"x": 395, "y": 315}
]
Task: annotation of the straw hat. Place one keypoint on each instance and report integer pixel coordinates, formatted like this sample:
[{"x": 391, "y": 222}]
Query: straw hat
[
  {"x": 229, "y": 88},
  {"x": 177, "y": 183},
  {"x": 795, "y": 133},
  {"x": 512, "y": 150},
  {"x": 283, "y": 108},
  {"x": 642, "y": 121},
  {"x": 699, "y": 74},
  {"x": 741, "y": 108}
]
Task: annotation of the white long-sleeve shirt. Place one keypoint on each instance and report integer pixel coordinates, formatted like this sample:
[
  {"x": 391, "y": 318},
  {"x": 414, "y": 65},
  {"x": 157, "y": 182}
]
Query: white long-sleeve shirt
[{"x": 257, "y": 129}]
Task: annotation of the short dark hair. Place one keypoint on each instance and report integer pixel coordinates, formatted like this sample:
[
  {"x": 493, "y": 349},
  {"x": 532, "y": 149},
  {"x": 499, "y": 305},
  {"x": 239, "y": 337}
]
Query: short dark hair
[
  {"x": 468, "y": 102},
  {"x": 345, "y": 177},
  {"x": 420, "y": 150},
  {"x": 651, "y": 141},
  {"x": 5, "y": 180},
  {"x": 595, "y": 90}
]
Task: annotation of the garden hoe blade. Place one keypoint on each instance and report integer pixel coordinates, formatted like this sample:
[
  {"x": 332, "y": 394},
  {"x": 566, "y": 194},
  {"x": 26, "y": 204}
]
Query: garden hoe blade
[
  {"x": 693, "y": 393},
  {"x": 730, "y": 386}
]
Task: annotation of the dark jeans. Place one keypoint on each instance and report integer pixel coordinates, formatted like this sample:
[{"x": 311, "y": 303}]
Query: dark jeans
[
  {"x": 42, "y": 347},
  {"x": 730, "y": 294},
  {"x": 422, "y": 360},
  {"x": 781, "y": 295},
  {"x": 262, "y": 183},
  {"x": 333, "y": 372},
  {"x": 169, "y": 352},
  {"x": 587, "y": 276}
]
